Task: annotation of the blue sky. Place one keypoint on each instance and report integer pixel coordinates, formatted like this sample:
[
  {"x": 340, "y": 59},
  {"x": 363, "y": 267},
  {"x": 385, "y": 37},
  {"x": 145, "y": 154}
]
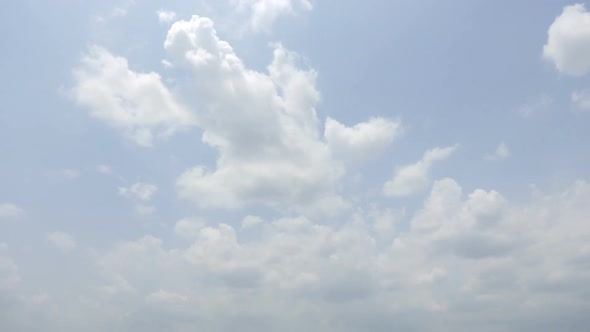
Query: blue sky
[{"x": 295, "y": 165}]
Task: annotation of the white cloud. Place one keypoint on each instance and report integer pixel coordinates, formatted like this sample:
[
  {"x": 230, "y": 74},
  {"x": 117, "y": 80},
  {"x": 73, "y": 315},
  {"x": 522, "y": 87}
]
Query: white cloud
[
  {"x": 104, "y": 169},
  {"x": 581, "y": 100},
  {"x": 10, "y": 211},
  {"x": 461, "y": 251},
  {"x": 264, "y": 126},
  {"x": 362, "y": 141},
  {"x": 137, "y": 103},
  {"x": 63, "y": 241},
  {"x": 500, "y": 153},
  {"x": 412, "y": 178},
  {"x": 568, "y": 43},
  {"x": 461, "y": 260},
  {"x": 251, "y": 221},
  {"x": 486, "y": 206},
  {"x": 166, "y": 16},
  {"x": 139, "y": 191},
  {"x": 263, "y": 13}
]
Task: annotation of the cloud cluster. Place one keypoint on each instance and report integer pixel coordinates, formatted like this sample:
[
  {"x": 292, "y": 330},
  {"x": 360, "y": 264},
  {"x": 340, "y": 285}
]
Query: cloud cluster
[
  {"x": 263, "y": 124},
  {"x": 465, "y": 260},
  {"x": 460, "y": 252}
]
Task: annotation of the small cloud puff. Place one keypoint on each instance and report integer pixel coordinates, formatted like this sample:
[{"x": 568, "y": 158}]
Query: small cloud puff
[
  {"x": 500, "y": 153},
  {"x": 412, "y": 178},
  {"x": 568, "y": 41},
  {"x": 139, "y": 191},
  {"x": 166, "y": 16}
]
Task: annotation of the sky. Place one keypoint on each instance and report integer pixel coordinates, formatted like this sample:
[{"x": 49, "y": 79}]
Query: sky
[{"x": 295, "y": 165}]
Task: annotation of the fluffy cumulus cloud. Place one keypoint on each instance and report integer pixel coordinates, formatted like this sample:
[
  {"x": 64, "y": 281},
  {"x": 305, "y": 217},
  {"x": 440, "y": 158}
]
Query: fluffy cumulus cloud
[
  {"x": 412, "y": 178},
  {"x": 264, "y": 125},
  {"x": 137, "y": 103},
  {"x": 462, "y": 259},
  {"x": 568, "y": 42}
]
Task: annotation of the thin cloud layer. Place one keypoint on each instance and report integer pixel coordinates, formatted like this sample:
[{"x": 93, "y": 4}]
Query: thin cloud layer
[{"x": 263, "y": 13}]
